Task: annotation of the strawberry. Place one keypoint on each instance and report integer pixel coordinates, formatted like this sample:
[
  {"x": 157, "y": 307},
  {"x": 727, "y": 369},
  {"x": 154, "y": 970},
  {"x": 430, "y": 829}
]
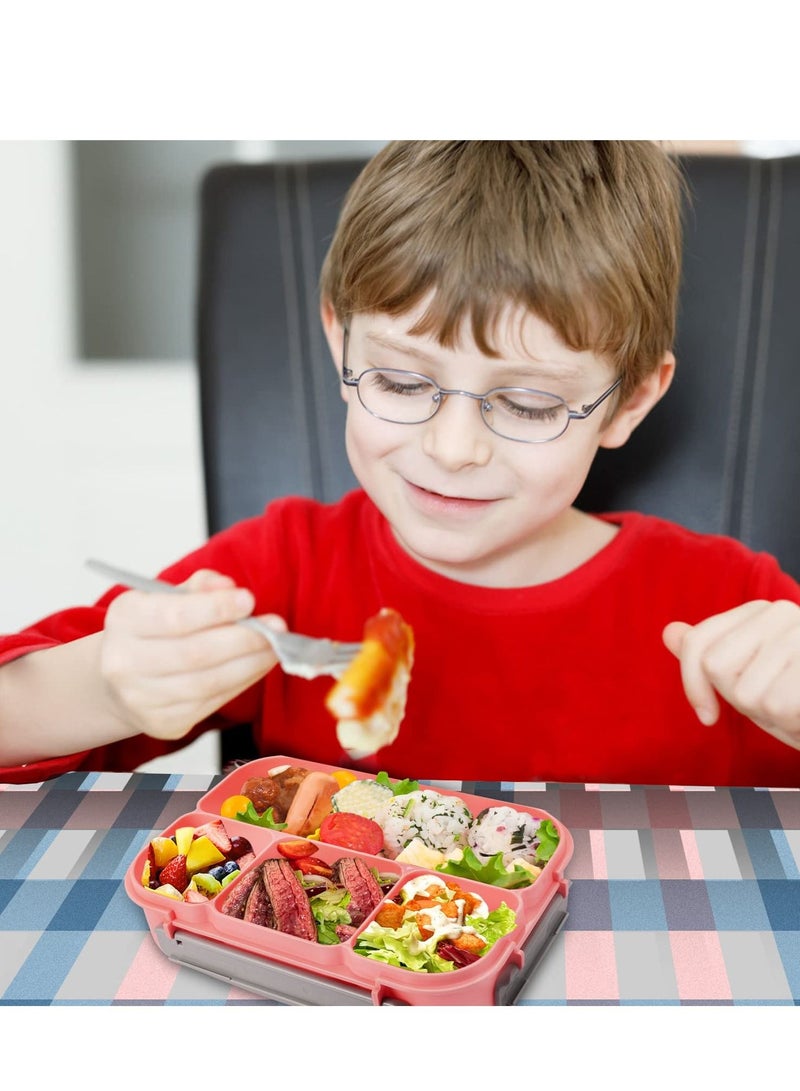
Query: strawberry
[
  {"x": 190, "y": 895},
  {"x": 174, "y": 873},
  {"x": 216, "y": 834},
  {"x": 150, "y": 871}
]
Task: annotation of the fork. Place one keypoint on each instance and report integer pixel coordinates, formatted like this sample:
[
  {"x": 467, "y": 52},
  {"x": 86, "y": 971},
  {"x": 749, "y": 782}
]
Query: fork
[{"x": 305, "y": 656}]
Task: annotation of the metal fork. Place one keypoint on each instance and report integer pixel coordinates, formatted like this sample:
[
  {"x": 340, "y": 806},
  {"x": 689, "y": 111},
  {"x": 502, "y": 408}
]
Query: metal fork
[{"x": 305, "y": 656}]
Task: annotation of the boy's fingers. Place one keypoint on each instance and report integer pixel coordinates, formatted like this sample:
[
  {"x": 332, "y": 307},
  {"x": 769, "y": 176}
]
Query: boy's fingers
[
  {"x": 677, "y": 637},
  {"x": 673, "y": 636},
  {"x": 206, "y": 579},
  {"x": 160, "y": 615},
  {"x": 713, "y": 653}
]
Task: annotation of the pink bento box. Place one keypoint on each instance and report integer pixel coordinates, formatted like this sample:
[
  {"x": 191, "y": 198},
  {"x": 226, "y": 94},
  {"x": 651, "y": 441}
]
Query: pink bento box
[{"x": 297, "y": 971}]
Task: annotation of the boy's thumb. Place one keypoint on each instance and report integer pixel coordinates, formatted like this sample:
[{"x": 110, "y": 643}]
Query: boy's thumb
[{"x": 674, "y": 635}]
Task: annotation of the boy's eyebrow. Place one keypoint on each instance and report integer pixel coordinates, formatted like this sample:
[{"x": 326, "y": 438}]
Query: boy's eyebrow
[{"x": 555, "y": 370}]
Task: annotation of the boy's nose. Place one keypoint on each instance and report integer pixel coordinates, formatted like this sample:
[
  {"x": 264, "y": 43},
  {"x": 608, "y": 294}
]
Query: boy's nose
[{"x": 456, "y": 435}]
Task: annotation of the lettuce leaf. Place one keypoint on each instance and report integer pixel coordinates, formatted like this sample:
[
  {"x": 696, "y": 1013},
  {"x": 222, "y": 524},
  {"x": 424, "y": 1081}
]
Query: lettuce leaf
[
  {"x": 400, "y": 787},
  {"x": 492, "y": 872},
  {"x": 402, "y": 947},
  {"x": 266, "y": 820},
  {"x": 498, "y": 923},
  {"x": 329, "y": 908},
  {"x": 547, "y": 835}
]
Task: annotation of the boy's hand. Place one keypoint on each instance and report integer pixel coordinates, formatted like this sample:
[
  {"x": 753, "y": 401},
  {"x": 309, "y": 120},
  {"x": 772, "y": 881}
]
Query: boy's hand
[
  {"x": 169, "y": 661},
  {"x": 750, "y": 656}
]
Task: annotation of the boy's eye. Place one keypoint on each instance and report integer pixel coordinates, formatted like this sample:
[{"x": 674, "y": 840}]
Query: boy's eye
[
  {"x": 398, "y": 382},
  {"x": 535, "y": 407}
]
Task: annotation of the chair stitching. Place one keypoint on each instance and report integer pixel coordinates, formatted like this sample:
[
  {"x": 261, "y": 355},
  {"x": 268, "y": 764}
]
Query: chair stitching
[
  {"x": 316, "y": 344},
  {"x": 762, "y": 356},
  {"x": 740, "y": 353},
  {"x": 296, "y": 375}
]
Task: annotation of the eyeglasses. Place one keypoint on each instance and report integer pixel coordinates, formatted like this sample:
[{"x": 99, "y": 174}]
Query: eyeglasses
[{"x": 513, "y": 412}]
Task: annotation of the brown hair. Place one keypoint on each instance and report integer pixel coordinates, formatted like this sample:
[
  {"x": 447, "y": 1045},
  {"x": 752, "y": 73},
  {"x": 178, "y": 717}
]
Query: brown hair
[{"x": 584, "y": 233}]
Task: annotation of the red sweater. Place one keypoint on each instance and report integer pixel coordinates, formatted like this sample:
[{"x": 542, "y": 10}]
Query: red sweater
[{"x": 566, "y": 681}]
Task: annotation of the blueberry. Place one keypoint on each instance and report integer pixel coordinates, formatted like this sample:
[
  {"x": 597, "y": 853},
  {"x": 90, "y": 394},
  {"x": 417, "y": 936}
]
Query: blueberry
[
  {"x": 218, "y": 872},
  {"x": 228, "y": 867}
]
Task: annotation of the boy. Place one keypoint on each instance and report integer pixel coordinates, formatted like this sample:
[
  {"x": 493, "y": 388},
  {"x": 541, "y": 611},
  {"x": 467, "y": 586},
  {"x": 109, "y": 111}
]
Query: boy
[{"x": 497, "y": 311}]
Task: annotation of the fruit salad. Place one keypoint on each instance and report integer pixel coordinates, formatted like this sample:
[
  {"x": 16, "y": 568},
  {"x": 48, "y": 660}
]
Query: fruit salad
[{"x": 196, "y": 862}]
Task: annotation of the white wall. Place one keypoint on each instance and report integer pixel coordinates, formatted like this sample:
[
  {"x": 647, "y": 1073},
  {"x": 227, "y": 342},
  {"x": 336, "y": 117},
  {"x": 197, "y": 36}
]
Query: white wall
[{"x": 94, "y": 460}]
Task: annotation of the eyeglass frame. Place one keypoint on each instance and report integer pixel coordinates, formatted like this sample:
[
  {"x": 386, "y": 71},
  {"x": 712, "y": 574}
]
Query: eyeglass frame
[{"x": 350, "y": 379}]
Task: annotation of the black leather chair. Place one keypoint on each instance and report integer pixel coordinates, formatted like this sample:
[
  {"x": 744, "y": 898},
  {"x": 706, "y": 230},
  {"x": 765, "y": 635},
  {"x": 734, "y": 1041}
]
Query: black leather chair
[{"x": 721, "y": 453}]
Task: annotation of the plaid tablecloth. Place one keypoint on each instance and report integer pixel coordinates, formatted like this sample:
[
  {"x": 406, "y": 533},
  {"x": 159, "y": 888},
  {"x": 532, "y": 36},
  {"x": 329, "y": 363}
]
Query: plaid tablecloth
[{"x": 677, "y": 896}]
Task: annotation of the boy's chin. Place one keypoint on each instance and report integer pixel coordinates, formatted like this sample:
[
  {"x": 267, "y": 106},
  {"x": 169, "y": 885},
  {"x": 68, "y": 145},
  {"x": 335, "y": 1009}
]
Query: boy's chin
[{"x": 453, "y": 555}]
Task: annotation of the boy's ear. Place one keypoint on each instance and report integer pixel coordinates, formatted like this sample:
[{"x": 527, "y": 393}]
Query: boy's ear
[
  {"x": 334, "y": 334},
  {"x": 649, "y": 391}
]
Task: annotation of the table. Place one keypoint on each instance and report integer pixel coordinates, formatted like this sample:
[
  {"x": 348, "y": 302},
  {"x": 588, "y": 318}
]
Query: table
[{"x": 677, "y": 896}]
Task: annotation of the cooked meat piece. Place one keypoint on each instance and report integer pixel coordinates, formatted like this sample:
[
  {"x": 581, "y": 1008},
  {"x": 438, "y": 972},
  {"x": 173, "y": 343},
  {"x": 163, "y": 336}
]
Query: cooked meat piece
[
  {"x": 289, "y": 902},
  {"x": 276, "y": 791},
  {"x": 259, "y": 908},
  {"x": 240, "y": 891},
  {"x": 357, "y": 879}
]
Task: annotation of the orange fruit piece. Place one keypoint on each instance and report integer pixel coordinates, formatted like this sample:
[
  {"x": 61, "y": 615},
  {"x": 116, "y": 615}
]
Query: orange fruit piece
[{"x": 233, "y": 805}]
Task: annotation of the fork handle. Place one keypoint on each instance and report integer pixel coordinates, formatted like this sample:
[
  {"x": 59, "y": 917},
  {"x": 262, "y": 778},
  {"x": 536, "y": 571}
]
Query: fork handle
[{"x": 131, "y": 579}]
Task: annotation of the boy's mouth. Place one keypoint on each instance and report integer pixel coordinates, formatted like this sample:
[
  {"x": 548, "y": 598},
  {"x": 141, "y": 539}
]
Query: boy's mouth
[{"x": 431, "y": 501}]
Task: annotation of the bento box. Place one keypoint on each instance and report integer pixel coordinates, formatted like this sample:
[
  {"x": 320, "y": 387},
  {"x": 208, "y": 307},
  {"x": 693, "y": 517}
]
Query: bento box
[{"x": 210, "y": 933}]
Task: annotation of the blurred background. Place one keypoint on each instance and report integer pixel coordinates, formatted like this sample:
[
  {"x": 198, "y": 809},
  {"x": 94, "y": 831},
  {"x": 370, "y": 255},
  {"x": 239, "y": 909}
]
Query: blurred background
[{"x": 99, "y": 419}]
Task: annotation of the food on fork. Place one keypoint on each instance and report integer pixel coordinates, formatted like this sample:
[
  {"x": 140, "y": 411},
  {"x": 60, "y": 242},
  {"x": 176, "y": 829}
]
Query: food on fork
[{"x": 369, "y": 700}]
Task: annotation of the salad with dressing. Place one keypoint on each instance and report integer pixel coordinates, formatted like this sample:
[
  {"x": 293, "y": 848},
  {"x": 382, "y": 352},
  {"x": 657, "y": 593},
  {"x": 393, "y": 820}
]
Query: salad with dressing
[{"x": 433, "y": 925}]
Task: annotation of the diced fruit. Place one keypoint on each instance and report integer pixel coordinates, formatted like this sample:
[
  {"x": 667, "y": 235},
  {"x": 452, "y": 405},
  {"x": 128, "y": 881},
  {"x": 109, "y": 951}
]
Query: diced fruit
[
  {"x": 164, "y": 849},
  {"x": 206, "y": 884},
  {"x": 175, "y": 873},
  {"x": 233, "y": 805},
  {"x": 202, "y": 855},
  {"x": 239, "y": 846},
  {"x": 216, "y": 834},
  {"x": 293, "y": 850},
  {"x": 183, "y": 839},
  {"x": 169, "y": 892},
  {"x": 150, "y": 871},
  {"x": 192, "y": 894},
  {"x": 343, "y": 777},
  {"x": 231, "y": 876}
]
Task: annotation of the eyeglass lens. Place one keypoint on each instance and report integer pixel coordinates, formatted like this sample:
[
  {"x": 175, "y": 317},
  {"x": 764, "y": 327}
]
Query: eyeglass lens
[{"x": 409, "y": 398}]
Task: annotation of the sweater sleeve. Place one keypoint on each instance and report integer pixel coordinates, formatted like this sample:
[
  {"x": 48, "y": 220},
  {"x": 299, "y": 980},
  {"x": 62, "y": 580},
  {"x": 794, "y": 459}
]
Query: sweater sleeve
[{"x": 250, "y": 553}]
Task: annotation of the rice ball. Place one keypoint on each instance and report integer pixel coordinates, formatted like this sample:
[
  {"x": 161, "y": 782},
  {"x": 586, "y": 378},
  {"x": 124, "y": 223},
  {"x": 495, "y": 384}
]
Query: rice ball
[
  {"x": 506, "y": 830},
  {"x": 364, "y": 797},
  {"x": 438, "y": 821}
]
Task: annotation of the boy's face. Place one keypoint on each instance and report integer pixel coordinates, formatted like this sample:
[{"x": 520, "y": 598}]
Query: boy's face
[{"x": 463, "y": 501}]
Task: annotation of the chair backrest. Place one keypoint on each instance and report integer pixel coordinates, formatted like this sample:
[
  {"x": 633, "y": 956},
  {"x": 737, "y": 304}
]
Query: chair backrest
[{"x": 721, "y": 453}]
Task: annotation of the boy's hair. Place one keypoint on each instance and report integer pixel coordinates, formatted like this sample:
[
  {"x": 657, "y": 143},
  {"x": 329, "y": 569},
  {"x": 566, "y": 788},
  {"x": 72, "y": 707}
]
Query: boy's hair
[{"x": 584, "y": 233}]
